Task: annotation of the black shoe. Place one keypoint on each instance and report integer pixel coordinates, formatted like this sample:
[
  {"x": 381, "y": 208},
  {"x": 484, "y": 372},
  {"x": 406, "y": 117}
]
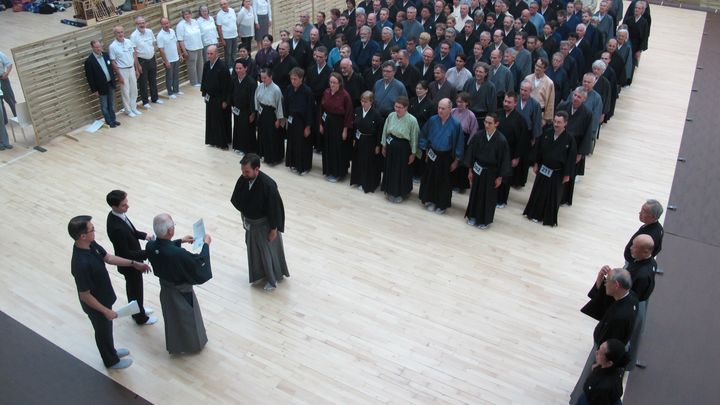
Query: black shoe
[{"x": 117, "y": 124}]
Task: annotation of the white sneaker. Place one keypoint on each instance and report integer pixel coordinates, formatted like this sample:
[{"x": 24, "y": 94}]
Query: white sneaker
[
  {"x": 149, "y": 310},
  {"x": 122, "y": 352},
  {"x": 268, "y": 287},
  {"x": 131, "y": 114},
  {"x": 151, "y": 320},
  {"x": 123, "y": 363},
  {"x": 137, "y": 112},
  {"x": 471, "y": 222},
  {"x": 158, "y": 101},
  {"x": 179, "y": 93},
  {"x": 196, "y": 85},
  {"x": 147, "y": 106},
  {"x": 172, "y": 96}
]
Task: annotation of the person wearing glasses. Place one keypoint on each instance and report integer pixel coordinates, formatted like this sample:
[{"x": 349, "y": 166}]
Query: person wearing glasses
[{"x": 95, "y": 290}]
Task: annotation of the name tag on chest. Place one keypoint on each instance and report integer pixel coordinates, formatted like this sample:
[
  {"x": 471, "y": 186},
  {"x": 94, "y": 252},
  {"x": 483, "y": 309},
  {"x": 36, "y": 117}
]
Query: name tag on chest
[
  {"x": 477, "y": 168},
  {"x": 431, "y": 155},
  {"x": 357, "y": 134},
  {"x": 324, "y": 116},
  {"x": 546, "y": 171},
  {"x": 290, "y": 119},
  {"x": 236, "y": 111}
]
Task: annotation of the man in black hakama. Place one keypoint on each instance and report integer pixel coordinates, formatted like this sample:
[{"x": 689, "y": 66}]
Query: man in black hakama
[
  {"x": 214, "y": 87},
  {"x": 488, "y": 161},
  {"x": 366, "y": 159},
  {"x": 616, "y": 321},
  {"x": 257, "y": 198},
  {"x": 554, "y": 157},
  {"x": 299, "y": 105},
  {"x": 578, "y": 126},
  {"x": 178, "y": 270},
  {"x": 443, "y": 141},
  {"x": 242, "y": 103},
  {"x": 514, "y": 128}
]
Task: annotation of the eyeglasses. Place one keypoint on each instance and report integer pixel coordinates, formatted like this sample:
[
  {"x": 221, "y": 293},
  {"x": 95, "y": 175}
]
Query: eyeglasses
[{"x": 90, "y": 231}]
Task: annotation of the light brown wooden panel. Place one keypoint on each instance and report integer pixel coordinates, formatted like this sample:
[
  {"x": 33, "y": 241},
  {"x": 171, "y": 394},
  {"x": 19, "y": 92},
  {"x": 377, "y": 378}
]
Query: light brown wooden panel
[{"x": 53, "y": 80}]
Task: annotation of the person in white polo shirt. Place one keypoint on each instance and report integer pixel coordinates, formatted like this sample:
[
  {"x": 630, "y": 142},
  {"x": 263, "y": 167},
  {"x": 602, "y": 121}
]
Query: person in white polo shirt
[
  {"x": 144, "y": 41},
  {"x": 127, "y": 69},
  {"x": 167, "y": 43},
  {"x": 226, "y": 21},
  {"x": 191, "y": 46},
  {"x": 208, "y": 29}
]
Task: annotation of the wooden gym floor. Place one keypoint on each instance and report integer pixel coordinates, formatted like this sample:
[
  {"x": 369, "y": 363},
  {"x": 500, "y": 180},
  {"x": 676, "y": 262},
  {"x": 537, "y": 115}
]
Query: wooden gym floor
[{"x": 386, "y": 303}]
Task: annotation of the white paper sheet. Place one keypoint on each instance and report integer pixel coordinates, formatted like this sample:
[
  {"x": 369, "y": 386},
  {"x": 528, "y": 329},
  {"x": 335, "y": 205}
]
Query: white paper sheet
[
  {"x": 131, "y": 308},
  {"x": 198, "y": 234}
]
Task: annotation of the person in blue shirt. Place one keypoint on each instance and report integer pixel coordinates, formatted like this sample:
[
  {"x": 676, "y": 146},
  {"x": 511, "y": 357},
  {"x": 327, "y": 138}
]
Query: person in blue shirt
[{"x": 441, "y": 139}]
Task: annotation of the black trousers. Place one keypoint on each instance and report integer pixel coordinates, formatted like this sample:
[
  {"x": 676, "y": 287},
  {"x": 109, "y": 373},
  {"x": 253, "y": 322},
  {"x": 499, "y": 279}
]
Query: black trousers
[
  {"x": 104, "y": 338},
  {"x": 134, "y": 290},
  {"x": 148, "y": 77}
]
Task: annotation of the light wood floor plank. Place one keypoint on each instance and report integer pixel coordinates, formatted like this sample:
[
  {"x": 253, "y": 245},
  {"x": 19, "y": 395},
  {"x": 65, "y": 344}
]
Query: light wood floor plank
[{"x": 385, "y": 303}]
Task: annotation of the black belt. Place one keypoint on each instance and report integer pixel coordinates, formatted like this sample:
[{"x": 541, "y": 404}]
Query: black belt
[{"x": 270, "y": 108}]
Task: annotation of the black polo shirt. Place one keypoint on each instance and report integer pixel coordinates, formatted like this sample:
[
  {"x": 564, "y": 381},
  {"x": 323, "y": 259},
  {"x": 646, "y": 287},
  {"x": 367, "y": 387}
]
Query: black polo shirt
[{"x": 90, "y": 273}]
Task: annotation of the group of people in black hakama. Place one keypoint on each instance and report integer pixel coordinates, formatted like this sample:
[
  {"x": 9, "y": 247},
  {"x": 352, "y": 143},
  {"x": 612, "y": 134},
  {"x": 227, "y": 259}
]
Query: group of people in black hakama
[{"x": 308, "y": 97}]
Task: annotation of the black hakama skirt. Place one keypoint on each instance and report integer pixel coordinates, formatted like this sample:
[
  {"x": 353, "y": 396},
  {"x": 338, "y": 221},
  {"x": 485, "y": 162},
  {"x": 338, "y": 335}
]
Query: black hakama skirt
[
  {"x": 244, "y": 133},
  {"x": 458, "y": 178},
  {"x": 270, "y": 140},
  {"x": 520, "y": 172},
  {"x": 299, "y": 147},
  {"x": 266, "y": 260},
  {"x": 435, "y": 185},
  {"x": 483, "y": 196},
  {"x": 544, "y": 202},
  {"x": 366, "y": 164},
  {"x": 218, "y": 128},
  {"x": 397, "y": 180},
  {"x": 335, "y": 151},
  {"x": 569, "y": 187}
]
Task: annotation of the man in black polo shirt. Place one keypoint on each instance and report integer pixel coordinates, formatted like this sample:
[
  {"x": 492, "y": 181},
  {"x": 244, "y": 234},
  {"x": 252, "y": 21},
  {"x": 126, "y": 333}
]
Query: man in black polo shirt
[{"x": 94, "y": 288}]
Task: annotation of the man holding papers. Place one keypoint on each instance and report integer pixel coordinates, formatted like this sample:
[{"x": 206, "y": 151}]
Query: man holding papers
[
  {"x": 178, "y": 270},
  {"x": 94, "y": 288}
]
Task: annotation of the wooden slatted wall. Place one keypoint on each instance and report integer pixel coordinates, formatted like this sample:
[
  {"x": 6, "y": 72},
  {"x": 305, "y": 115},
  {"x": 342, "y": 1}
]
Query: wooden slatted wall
[
  {"x": 51, "y": 71},
  {"x": 53, "y": 79}
]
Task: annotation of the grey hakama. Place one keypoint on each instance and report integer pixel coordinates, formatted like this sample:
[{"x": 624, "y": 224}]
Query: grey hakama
[
  {"x": 184, "y": 329},
  {"x": 265, "y": 259}
]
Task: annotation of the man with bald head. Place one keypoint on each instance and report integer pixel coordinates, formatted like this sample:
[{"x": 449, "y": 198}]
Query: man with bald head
[
  {"x": 642, "y": 270},
  {"x": 215, "y": 87},
  {"x": 442, "y": 141},
  {"x": 615, "y": 307},
  {"x": 353, "y": 81}
]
